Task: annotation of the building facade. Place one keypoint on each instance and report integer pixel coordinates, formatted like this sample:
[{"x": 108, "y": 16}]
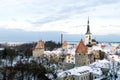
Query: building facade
[{"x": 70, "y": 58}]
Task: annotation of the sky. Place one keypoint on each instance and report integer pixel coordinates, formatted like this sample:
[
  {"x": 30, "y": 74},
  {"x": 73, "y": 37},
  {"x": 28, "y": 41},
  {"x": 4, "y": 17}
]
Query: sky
[{"x": 31, "y": 20}]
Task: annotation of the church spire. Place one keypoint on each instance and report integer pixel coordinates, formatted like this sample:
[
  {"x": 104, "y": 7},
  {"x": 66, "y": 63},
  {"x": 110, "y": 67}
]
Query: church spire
[{"x": 88, "y": 27}]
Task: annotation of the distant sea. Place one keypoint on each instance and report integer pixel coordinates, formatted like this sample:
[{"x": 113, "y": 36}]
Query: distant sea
[{"x": 71, "y": 42}]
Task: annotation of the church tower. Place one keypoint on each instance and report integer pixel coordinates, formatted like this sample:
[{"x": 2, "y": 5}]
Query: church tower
[{"x": 88, "y": 35}]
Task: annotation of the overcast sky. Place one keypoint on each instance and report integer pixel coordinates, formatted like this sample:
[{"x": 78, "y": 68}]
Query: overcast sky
[{"x": 68, "y": 16}]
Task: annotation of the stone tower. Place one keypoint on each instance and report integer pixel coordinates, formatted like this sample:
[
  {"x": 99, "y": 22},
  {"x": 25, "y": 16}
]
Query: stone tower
[
  {"x": 81, "y": 56},
  {"x": 39, "y": 49},
  {"x": 64, "y": 45},
  {"x": 88, "y": 35}
]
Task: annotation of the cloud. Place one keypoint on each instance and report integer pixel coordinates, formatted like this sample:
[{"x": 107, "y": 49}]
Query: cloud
[
  {"x": 49, "y": 19},
  {"x": 68, "y": 16}
]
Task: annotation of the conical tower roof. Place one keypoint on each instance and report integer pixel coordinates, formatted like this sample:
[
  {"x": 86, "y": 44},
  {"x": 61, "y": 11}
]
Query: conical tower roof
[
  {"x": 81, "y": 48},
  {"x": 88, "y": 27},
  {"x": 64, "y": 45},
  {"x": 40, "y": 44}
]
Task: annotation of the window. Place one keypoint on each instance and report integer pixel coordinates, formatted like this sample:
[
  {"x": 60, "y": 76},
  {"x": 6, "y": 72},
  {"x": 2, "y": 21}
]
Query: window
[
  {"x": 84, "y": 63},
  {"x": 69, "y": 57},
  {"x": 95, "y": 77},
  {"x": 72, "y": 58},
  {"x": 81, "y": 78}
]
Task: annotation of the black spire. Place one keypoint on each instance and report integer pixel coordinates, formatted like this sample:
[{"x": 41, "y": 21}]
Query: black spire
[{"x": 88, "y": 27}]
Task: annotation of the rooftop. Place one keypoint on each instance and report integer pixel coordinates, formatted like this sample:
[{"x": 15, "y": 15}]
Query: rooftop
[
  {"x": 81, "y": 48},
  {"x": 40, "y": 44}
]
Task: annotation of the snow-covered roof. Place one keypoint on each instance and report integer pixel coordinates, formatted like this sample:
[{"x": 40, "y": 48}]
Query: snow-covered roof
[
  {"x": 101, "y": 64},
  {"x": 59, "y": 51},
  {"x": 118, "y": 50},
  {"x": 53, "y": 52},
  {"x": 97, "y": 48},
  {"x": 108, "y": 48},
  {"x": 77, "y": 71},
  {"x": 115, "y": 57},
  {"x": 71, "y": 51},
  {"x": 2, "y": 49}
]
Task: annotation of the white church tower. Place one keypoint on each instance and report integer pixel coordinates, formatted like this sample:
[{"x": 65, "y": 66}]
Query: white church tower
[{"x": 88, "y": 35}]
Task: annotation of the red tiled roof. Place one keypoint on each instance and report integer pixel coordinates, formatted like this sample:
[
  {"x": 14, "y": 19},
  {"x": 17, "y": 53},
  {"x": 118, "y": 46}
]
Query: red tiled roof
[
  {"x": 68, "y": 54},
  {"x": 64, "y": 44},
  {"x": 40, "y": 44},
  {"x": 81, "y": 48}
]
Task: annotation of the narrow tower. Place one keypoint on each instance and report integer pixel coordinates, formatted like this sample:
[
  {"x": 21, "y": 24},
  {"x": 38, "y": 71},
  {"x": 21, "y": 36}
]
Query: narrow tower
[
  {"x": 38, "y": 51},
  {"x": 81, "y": 56},
  {"x": 88, "y": 35},
  {"x": 61, "y": 39}
]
